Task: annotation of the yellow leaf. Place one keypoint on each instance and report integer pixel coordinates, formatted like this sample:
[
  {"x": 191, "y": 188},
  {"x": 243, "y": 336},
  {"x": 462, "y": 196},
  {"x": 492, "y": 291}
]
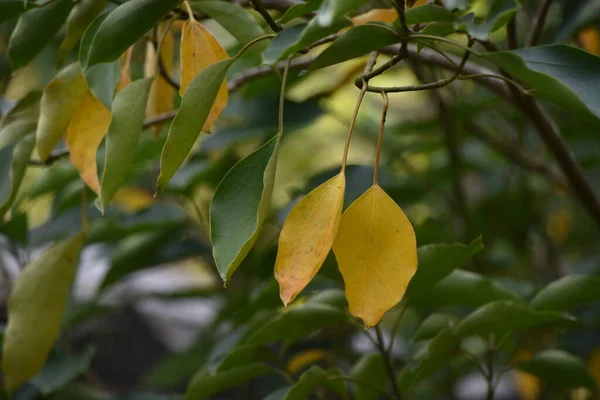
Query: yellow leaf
[
  {"x": 87, "y": 128},
  {"x": 36, "y": 308},
  {"x": 388, "y": 15},
  {"x": 307, "y": 236},
  {"x": 162, "y": 94},
  {"x": 376, "y": 251},
  {"x": 133, "y": 199},
  {"x": 199, "y": 49},
  {"x": 527, "y": 385},
  {"x": 301, "y": 360},
  {"x": 590, "y": 40}
]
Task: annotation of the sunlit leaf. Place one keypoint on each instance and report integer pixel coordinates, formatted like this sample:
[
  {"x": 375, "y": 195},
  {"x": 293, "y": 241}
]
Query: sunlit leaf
[
  {"x": 377, "y": 254},
  {"x": 35, "y": 310},
  {"x": 387, "y": 15},
  {"x": 307, "y": 237},
  {"x": 240, "y": 206}
]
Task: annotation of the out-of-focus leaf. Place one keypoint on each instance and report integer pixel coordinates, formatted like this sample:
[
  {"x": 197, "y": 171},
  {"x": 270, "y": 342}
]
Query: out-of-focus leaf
[
  {"x": 376, "y": 251},
  {"x": 306, "y": 384},
  {"x": 52, "y": 179},
  {"x": 59, "y": 371},
  {"x": 371, "y": 370},
  {"x": 190, "y": 119},
  {"x": 498, "y": 15},
  {"x": 240, "y": 206},
  {"x": 124, "y": 26},
  {"x": 129, "y": 108},
  {"x": 35, "y": 310},
  {"x": 35, "y": 29},
  {"x": 436, "y": 261},
  {"x": 204, "y": 383},
  {"x": 563, "y": 74},
  {"x": 232, "y": 17},
  {"x": 58, "y": 104},
  {"x": 428, "y": 13},
  {"x": 559, "y": 368},
  {"x": 332, "y": 10},
  {"x": 356, "y": 42},
  {"x": 387, "y": 15},
  {"x": 16, "y": 229},
  {"x": 299, "y": 9},
  {"x": 567, "y": 293},
  {"x": 434, "y": 324},
  {"x": 10, "y": 9},
  {"x": 81, "y": 16},
  {"x": 13, "y": 164},
  {"x": 577, "y": 14}
]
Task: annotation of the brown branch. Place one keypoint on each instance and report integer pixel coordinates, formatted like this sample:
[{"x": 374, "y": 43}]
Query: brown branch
[
  {"x": 538, "y": 23},
  {"x": 512, "y": 38},
  {"x": 258, "y": 6}
]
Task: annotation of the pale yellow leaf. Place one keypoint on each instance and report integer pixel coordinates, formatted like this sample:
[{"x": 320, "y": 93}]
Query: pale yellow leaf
[
  {"x": 307, "y": 237},
  {"x": 87, "y": 128},
  {"x": 388, "y": 15},
  {"x": 199, "y": 49},
  {"x": 36, "y": 308},
  {"x": 302, "y": 360},
  {"x": 133, "y": 199},
  {"x": 376, "y": 251}
]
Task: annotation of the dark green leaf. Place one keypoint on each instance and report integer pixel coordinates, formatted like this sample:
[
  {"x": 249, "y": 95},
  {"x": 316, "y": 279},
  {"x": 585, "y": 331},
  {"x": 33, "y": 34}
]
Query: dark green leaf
[
  {"x": 559, "y": 368},
  {"x": 53, "y": 179},
  {"x": 10, "y": 9},
  {"x": 13, "y": 164},
  {"x": 124, "y": 26},
  {"x": 434, "y": 324},
  {"x": 128, "y": 111},
  {"x": 567, "y": 293},
  {"x": 204, "y": 384},
  {"x": 331, "y": 10},
  {"x": 61, "y": 370},
  {"x": 232, "y": 17},
  {"x": 563, "y": 74},
  {"x": 428, "y": 13},
  {"x": 189, "y": 121},
  {"x": 436, "y": 261},
  {"x": 371, "y": 370},
  {"x": 35, "y": 29},
  {"x": 308, "y": 382},
  {"x": 585, "y": 13},
  {"x": 500, "y": 12},
  {"x": 300, "y": 9},
  {"x": 356, "y": 42},
  {"x": 16, "y": 228},
  {"x": 240, "y": 206}
]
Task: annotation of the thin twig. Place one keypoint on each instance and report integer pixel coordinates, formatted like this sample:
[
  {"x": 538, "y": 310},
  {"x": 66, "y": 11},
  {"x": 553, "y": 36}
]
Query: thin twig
[
  {"x": 395, "y": 328},
  {"x": 388, "y": 363},
  {"x": 258, "y": 6},
  {"x": 538, "y": 23},
  {"x": 386, "y": 104},
  {"x": 282, "y": 95}
]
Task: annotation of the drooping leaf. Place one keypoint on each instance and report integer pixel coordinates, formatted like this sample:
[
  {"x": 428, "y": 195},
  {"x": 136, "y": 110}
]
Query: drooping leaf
[
  {"x": 232, "y": 17},
  {"x": 428, "y": 13},
  {"x": 307, "y": 236},
  {"x": 58, "y": 372},
  {"x": 204, "y": 383},
  {"x": 387, "y": 15},
  {"x": 299, "y": 9},
  {"x": 162, "y": 94},
  {"x": 59, "y": 101},
  {"x": 13, "y": 164},
  {"x": 562, "y": 74},
  {"x": 35, "y": 29},
  {"x": 434, "y": 324},
  {"x": 567, "y": 293},
  {"x": 190, "y": 119},
  {"x": 356, "y": 42},
  {"x": 377, "y": 254},
  {"x": 81, "y": 16},
  {"x": 124, "y": 26},
  {"x": 331, "y": 10},
  {"x": 240, "y": 206},
  {"x": 35, "y": 311},
  {"x": 371, "y": 371},
  {"x": 87, "y": 128},
  {"x": 10, "y": 9},
  {"x": 436, "y": 261},
  {"x": 200, "y": 49},
  {"x": 295, "y": 38},
  {"x": 559, "y": 368},
  {"x": 129, "y": 108}
]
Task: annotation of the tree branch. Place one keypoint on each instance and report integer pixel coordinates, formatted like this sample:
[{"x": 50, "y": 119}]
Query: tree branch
[
  {"x": 258, "y": 6},
  {"x": 538, "y": 23}
]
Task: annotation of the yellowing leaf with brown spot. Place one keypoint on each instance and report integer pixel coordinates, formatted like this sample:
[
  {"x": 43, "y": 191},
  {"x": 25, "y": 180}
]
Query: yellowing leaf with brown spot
[
  {"x": 388, "y": 15},
  {"x": 87, "y": 128},
  {"x": 307, "y": 237},
  {"x": 133, "y": 199},
  {"x": 162, "y": 94},
  {"x": 376, "y": 251},
  {"x": 199, "y": 49}
]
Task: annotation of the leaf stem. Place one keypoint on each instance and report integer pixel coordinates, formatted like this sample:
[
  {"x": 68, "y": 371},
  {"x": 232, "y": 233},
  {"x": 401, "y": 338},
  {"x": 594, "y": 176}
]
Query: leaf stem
[
  {"x": 388, "y": 363},
  {"x": 443, "y": 39},
  {"x": 258, "y": 6},
  {"x": 386, "y": 104},
  {"x": 286, "y": 71},
  {"x": 189, "y": 10},
  {"x": 252, "y": 42}
]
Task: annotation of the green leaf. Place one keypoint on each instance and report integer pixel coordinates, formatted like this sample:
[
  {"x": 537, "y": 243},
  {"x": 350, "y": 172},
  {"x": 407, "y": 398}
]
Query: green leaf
[
  {"x": 124, "y": 26},
  {"x": 300, "y": 9},
  {"x": 331, "y": 10},
  {"x": 439, "y": 29},
  {"x": 428, "y": 13},
  {"x": 59, "y": 371},
  {"x": 434, "y": 324},
  {"x": 81, "y": 16},
  {"x": 128, "y": 111},
  {"x": 559, "y": 368},
  {"x": 240, "y": 206},
  {"x": 58, "y": 103},
  {"x": 500, "y": 12},
  {"x": 506, "y": 316},
  {"x": 232, "y": 17},
  {"x": 13, "y": 164},
  {"x": 356, "y": 42},
  {"x": 297, "y": 37},
  {"x": 562, "y": 74},
  {"x": 296, "y": 323},
  {"x": 583, "y": 13},
  {"x": 464, "y": 288},
  {"x": 35, "y": 310},
  {"x": 10, "y": 9},
  {"x": 204, "y": 383},
  {"x": 16, "y": 229},
  {"x": 436, "y": 261},
  {"x": 567, "y": 293},
  {"x": 371, "y": 370},
  {"x": 308, "y": 382},
  {"x": 35, "y": 29},
  {"x": 189, "y": 121},
  {"x": 102, "y": 79}
]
